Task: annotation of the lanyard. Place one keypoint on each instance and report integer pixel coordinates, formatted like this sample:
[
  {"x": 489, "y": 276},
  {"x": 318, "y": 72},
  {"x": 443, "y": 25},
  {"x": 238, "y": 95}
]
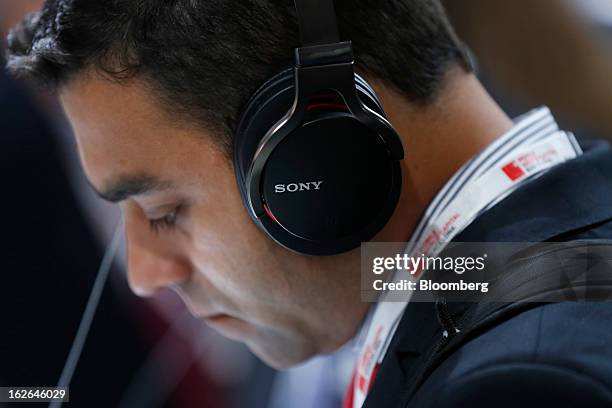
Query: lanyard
[{"x": 504, "y": 171}]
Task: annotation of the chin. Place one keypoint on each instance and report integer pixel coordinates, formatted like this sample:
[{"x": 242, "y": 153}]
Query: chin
[{"x": 282, "y": 356}]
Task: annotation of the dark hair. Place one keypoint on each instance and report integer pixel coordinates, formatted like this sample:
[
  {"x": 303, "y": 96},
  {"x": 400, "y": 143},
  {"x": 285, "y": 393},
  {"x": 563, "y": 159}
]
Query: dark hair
[{"x": 204, "y": 58}]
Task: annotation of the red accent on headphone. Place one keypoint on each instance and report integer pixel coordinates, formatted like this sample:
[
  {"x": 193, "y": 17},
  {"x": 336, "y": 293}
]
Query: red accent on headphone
[
  {"x": 328, "y": 101},
  {"x": 272, "y": 217}
]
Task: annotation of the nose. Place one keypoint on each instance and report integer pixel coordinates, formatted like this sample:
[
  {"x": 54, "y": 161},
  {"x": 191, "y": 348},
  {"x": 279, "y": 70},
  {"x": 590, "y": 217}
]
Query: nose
[
  {"x": 153, "y": 263},
  {"x": 148, "y": 272}
]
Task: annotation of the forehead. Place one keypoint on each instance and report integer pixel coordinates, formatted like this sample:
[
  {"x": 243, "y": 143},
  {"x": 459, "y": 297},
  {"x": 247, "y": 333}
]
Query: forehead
[
  {"x": 121, "y": 130},
  {"x": 108, "y": 115}
]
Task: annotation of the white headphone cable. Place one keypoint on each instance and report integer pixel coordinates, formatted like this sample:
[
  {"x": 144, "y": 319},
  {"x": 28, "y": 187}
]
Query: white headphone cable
[{"x": 90, "y": 311}]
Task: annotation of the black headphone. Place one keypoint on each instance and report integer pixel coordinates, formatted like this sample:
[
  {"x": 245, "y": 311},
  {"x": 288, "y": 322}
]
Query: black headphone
[{"x": 317, "y": 163}]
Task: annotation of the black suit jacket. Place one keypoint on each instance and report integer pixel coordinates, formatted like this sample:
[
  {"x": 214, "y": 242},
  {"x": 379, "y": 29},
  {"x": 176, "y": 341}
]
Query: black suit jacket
[{"x": 552, "y": 355}]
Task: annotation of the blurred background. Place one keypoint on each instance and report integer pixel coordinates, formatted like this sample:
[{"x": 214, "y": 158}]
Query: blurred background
[{"x": 151, "y": 353}]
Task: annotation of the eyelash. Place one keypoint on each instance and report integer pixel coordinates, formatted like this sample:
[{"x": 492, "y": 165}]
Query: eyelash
[{"x": 167, "y": 222}]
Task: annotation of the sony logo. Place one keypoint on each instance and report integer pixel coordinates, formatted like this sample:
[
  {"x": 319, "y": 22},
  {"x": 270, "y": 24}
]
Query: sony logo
[{"x": 293, "y": 187}]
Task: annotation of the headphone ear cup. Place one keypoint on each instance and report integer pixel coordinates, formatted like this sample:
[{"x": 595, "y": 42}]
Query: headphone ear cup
[
  {"x": 329, "y": 185},
  {"x": 342, "y": 163}
]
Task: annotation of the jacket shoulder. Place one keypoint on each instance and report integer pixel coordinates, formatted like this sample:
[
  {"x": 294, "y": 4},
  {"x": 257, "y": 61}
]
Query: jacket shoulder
[{"x": 539, "y": 356}]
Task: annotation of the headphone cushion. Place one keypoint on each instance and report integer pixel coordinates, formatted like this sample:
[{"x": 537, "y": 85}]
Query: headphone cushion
[{"x": 267, "y": 106}]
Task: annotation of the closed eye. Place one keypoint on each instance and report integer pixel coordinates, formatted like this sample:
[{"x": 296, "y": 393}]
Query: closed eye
[{"x": 167, "y": 222}]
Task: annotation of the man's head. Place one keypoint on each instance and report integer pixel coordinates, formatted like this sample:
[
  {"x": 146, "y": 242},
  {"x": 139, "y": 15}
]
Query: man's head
[{"x": 154, "y": 90}]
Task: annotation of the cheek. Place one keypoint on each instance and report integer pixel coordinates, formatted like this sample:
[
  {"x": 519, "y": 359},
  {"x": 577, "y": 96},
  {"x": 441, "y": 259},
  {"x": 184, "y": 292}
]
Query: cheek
[
  {"x": 221, "y": 225},
  {"x": 232, "y": 252}
]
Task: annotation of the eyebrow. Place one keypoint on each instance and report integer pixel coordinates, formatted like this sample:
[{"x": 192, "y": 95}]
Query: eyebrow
[{"x": 124, "y": 187}]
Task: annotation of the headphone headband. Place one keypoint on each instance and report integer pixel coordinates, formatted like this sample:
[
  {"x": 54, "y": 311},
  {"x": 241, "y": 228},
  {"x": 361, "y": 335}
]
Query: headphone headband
[{"x": 317, "y": 22}]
